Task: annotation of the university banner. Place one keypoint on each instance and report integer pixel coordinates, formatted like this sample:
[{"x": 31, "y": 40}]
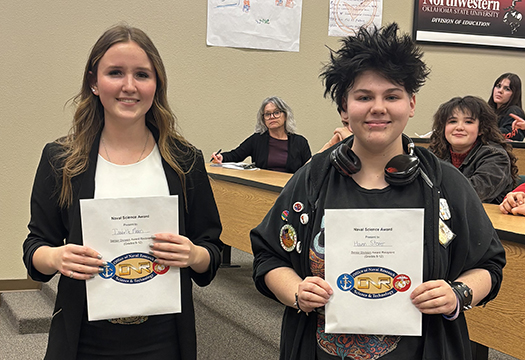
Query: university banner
[{"x": 475, "y": 22}]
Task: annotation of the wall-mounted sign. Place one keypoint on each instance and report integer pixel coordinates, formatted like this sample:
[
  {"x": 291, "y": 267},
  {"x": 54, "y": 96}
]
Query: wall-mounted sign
[{"x": 475, "y": 22}]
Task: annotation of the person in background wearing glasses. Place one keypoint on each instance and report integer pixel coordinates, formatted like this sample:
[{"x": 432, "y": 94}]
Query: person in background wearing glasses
[{"x": 275, "y": 145}]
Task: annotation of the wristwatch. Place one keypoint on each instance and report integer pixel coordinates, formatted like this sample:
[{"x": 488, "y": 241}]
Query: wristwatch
[{"x": 463, "y": 293}]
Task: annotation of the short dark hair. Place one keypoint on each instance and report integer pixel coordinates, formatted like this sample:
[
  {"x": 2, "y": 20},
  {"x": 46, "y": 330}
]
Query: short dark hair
[
  {"x": 515, "y": 86},
  {"x": 397, "y": 58}
]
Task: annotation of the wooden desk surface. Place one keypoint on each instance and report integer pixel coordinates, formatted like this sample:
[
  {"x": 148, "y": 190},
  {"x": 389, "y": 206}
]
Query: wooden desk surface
[
  {"x": 257, "y": 178},
  {"x": 244, "y": 198},
  {"x": 501, "y": 324},
  {"x": 509, "y": 227}
]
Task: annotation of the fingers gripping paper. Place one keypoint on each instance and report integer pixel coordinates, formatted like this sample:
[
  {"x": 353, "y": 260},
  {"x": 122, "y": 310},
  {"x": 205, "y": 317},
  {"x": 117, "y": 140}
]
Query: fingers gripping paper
[
  {"x": 373, "y": 261},
  {"x": 132, "y": 284}
]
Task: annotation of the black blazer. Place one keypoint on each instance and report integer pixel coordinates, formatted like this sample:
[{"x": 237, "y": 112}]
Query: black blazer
[
  {"x": 257, "y": 146},
  {"x": 50, "y": 225}
]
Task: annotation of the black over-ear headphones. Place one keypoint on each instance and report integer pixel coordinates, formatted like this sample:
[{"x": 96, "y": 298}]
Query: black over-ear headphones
[{"x": 399, "y": 171}]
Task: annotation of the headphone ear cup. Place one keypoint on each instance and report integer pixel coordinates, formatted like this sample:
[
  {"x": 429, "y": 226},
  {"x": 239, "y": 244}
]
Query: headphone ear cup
[
  {"x": 402, "y": 170},
  {"x": 345, "y": 160}
]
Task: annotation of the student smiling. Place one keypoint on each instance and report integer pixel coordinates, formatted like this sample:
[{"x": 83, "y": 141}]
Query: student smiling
[
  {"x": 373, "y": 78},
  {"x": 465, "y": 133},
  {"x": 123, "y": 143}
]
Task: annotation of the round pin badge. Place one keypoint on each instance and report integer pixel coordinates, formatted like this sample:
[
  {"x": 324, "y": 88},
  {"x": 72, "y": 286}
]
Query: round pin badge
[
  {"x": 288, "y": 237},
  {"x": 299, "y": 247},
  {"x": 298, "y": 206},
  {"x": 284, "y": 215},
  {"x": 304, "y": 218}
]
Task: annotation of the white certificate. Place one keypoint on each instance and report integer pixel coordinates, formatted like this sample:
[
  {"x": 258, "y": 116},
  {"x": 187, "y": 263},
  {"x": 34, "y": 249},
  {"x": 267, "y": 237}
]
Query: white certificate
[
  {"x": 132, "y": 284},
  {"x": 373, "y": 261}
]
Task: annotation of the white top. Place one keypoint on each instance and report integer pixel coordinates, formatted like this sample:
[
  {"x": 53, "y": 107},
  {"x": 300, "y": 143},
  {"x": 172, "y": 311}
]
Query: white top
[{"x": 145, "y": 178}]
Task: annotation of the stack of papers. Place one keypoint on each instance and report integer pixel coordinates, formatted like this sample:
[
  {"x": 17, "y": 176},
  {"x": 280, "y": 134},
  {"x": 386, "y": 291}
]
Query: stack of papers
[
  {"x": 237, "y": 166},
  {"x": 424, "y": 136}
]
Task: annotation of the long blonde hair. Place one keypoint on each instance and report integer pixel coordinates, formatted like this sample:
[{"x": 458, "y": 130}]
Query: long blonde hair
[{"x": 88, "y": 119}]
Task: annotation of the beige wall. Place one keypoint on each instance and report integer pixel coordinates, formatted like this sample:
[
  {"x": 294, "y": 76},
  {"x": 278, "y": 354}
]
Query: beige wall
[{"x": 215, "y": 92}]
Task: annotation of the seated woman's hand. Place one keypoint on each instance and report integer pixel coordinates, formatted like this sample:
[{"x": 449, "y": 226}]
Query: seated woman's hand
[
  {"x": 434, "y": 297},
  {"x": 342, "y": 133},
  {"x": 313, "y": 292},
  {"x": 334, "y": 140},
  {"x": 216, "y": 158},
  {"x": 518, "y": 122},
  {"x": 512, "y": 201}
]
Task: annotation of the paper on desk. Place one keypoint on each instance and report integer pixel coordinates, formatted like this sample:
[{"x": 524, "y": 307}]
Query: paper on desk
[
  {"x": 424, "y": 136},
  {"x": 373, "y": 261},
  {"x": 132, "y": 284},
  {"x": 237, "y": 166}
]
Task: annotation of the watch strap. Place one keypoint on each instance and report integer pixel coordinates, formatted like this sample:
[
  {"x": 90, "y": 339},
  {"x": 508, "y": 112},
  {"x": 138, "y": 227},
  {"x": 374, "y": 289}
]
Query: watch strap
[{"x": 463, "y": 294}]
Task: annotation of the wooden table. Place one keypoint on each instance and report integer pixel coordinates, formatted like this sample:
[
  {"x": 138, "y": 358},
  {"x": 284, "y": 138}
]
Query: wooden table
[
  {"x": 244, "y": 197},
  {"x": 501, "y": 324}
]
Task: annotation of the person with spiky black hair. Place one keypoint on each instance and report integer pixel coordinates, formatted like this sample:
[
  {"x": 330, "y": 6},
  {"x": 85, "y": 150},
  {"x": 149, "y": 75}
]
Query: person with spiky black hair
[{"x": 373, "y": 78}]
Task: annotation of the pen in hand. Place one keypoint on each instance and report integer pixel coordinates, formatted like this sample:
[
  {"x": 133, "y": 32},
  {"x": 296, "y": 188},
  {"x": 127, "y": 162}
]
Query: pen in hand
[{"x": 217, "y": 153}]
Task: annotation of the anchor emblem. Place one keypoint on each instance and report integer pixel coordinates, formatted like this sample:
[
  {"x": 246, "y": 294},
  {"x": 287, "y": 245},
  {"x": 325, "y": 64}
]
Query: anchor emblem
[{"x": 345, "y": 282}]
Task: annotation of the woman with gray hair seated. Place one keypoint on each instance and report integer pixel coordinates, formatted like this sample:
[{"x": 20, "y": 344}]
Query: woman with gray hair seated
[{"x": 275, "y": 145}]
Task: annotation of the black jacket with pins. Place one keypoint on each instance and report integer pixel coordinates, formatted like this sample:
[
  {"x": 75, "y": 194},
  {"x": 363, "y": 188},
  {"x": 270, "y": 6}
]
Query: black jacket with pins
[{"x": 476, "y": 246}]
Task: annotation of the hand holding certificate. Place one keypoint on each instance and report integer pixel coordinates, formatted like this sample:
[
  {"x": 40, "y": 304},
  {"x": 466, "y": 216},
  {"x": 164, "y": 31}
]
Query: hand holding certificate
[
  {"x": 373, "y": 261},
  {"x": 133, "y": 283}
]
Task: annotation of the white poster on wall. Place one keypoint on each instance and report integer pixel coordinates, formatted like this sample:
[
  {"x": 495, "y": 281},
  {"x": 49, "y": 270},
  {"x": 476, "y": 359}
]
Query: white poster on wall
[
  {"x": 255, "y": 24},
  {"x": 347, "y": 16}
]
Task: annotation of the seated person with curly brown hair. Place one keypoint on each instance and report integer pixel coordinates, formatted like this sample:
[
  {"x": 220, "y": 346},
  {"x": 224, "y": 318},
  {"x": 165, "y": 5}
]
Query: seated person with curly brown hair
[{"x": 466, "y": 134}]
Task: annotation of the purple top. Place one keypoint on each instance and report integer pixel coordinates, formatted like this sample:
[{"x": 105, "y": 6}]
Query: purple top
[{"x": 277, "y": 154}]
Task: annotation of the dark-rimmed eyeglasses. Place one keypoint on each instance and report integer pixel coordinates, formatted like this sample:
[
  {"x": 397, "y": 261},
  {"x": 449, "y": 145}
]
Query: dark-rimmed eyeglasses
[{"x": 275, "y": 114}]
